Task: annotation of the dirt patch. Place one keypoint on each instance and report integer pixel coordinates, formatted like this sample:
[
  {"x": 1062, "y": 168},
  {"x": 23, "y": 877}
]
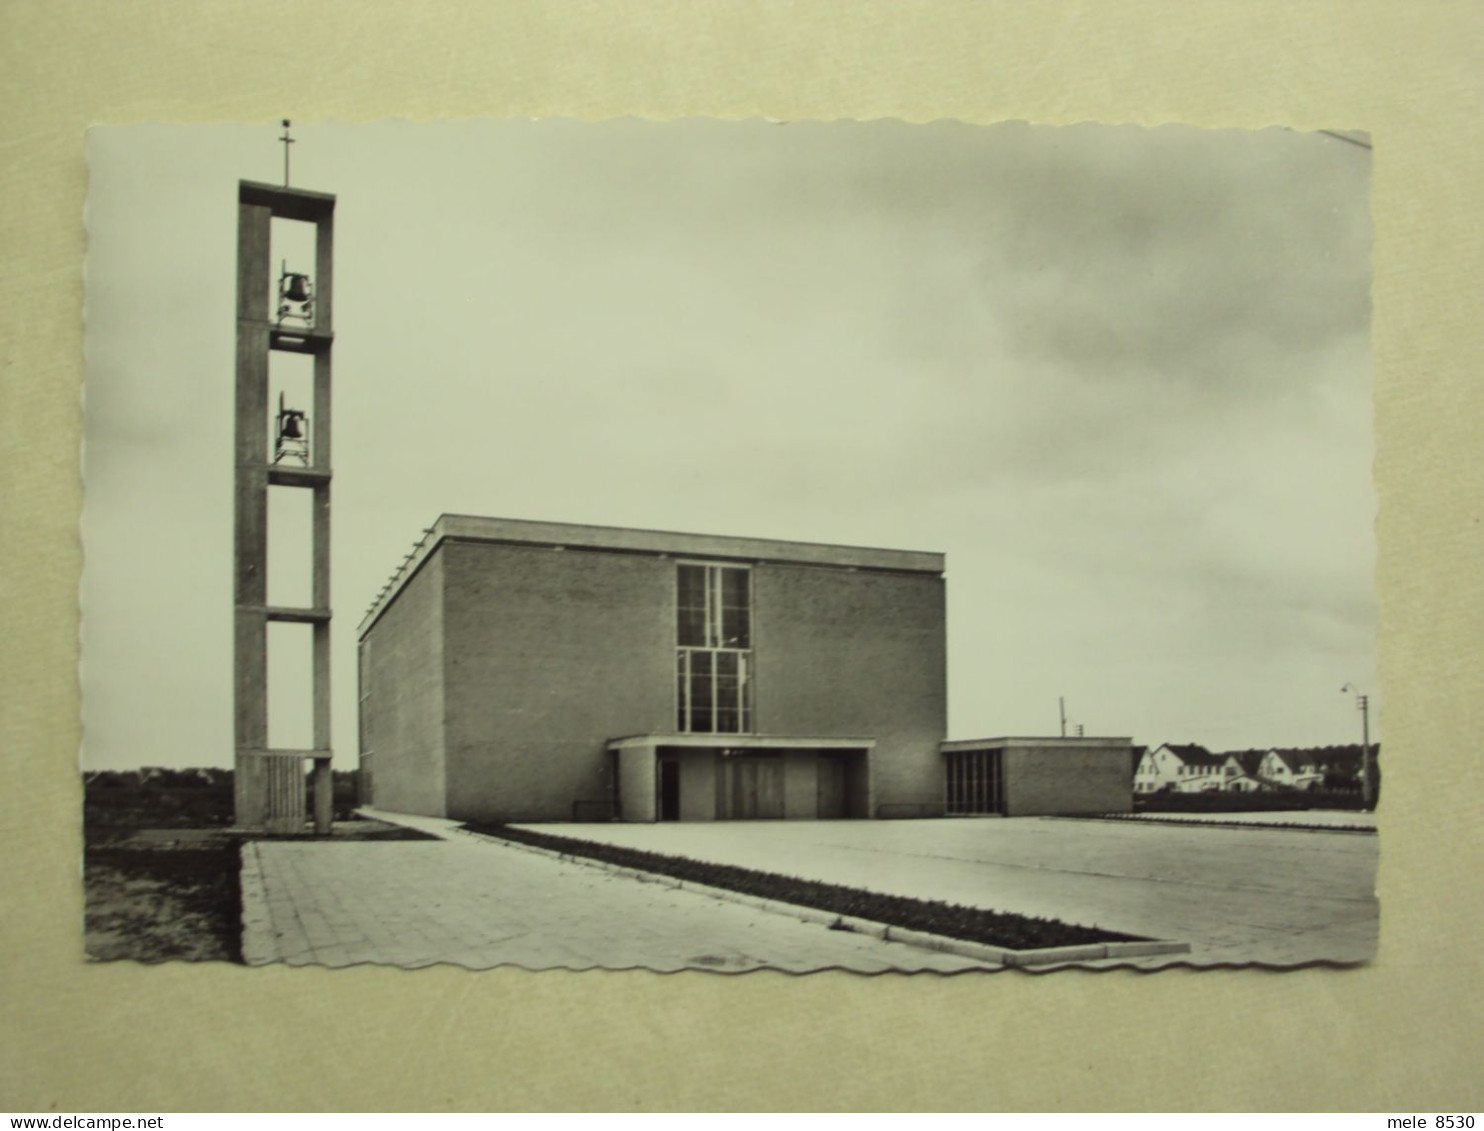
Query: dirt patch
[
  {"x": 152, "y": 901},
  {"x": 157, "y": 894}
]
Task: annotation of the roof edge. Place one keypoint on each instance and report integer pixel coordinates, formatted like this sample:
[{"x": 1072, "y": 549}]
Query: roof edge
[
  {"x": 659, "y": 543},
  {"x": 952, "y": 745}
]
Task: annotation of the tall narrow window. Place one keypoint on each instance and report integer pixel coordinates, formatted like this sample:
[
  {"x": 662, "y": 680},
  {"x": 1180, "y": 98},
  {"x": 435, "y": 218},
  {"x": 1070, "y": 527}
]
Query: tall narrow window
[
  {"x": 975, "y": 782},
  {"x": 713, "y": 654}
]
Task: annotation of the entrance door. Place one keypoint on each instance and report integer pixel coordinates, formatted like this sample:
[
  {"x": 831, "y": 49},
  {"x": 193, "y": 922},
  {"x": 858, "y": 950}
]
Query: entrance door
[
  {"x": 833, "y": 796},
  {"x": 754, "y": 788},
  {"x": 669, "y": 798}
]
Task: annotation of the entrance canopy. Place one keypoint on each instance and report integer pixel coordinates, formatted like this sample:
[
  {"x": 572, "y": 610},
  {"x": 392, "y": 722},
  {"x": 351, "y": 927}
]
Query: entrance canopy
[
  {"x": 706, "y": 777},
  {"x": 742, "y": 742}
]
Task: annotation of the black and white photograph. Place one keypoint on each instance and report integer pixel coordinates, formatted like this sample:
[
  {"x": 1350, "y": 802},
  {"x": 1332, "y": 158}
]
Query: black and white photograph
[{"x": 729, "y": 545}]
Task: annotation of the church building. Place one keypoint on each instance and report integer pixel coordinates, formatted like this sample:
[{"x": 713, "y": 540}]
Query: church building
[{"x": 533, "y": 671}]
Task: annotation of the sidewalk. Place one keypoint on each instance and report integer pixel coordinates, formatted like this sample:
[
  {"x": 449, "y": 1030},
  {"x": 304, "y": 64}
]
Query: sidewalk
[{"x": 475, "y": 903}]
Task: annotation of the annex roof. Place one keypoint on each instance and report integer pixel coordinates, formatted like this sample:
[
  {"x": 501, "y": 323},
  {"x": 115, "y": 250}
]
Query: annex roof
[{"x": 957, "y": 744}]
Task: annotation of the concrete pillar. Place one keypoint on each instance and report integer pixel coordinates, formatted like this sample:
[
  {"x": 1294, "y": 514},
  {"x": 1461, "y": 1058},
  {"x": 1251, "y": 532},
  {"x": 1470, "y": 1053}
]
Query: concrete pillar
[
  {"x": 637, "y": 783},
  {"x": 324, "y": 796},
  {"x": 252, "y": 777}
]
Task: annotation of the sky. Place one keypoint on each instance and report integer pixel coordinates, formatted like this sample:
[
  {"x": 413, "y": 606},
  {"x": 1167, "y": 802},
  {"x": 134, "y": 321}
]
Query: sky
[{"x": 1120, "y": 376}]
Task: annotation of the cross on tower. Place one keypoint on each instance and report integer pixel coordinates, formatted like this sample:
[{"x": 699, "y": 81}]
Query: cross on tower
[{"x": 287, "y": 141}]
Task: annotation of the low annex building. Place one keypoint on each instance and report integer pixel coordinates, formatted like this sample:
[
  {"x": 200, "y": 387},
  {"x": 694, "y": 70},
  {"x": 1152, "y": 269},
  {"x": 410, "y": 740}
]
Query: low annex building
[
  {"x": 1031, "y": 777},
  {"x": 532, "y": 671}
]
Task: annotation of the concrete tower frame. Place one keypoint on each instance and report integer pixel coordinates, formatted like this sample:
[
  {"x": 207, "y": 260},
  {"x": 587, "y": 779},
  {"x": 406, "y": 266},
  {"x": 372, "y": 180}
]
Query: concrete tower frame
[{"x": 269, "y": 794}]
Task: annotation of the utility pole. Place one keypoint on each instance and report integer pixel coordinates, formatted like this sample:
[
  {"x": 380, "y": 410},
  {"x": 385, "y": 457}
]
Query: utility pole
[
  {"x": 1367, "y": 789},
  {"x": 1363, "y": 705},
  {"x": 1061, "y": 704}
]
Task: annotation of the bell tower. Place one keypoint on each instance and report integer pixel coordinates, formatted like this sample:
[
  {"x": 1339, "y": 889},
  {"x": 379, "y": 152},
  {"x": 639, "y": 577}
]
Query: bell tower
[{"x": 269, "y": 791}]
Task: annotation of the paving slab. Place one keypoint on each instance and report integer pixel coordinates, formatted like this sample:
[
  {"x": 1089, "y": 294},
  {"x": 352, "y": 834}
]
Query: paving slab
[
  {"x": 480, "y": 904},
  {"x": 1247, "y": 896}
]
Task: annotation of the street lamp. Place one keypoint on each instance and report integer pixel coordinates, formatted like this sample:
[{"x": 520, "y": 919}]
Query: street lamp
[{"x": 1363, "y": 705}]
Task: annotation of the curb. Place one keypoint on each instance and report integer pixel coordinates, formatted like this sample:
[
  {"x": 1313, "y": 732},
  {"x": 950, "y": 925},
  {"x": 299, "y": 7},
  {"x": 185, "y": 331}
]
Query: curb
[
  {"x": 1001, "y": 956},
  {"x": 257, "y": 920},
  {"x": 1139, "y": 819}
]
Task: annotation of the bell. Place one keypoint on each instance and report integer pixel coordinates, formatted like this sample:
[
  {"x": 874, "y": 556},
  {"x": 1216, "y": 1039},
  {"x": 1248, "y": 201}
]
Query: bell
[
  {"x": 291, "y": 429},
  {"x": 298, "y": 288}
]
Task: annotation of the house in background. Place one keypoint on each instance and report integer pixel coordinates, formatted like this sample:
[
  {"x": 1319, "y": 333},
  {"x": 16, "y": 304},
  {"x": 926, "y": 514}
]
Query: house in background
[
  {"x": 1242, "y": 771},
  {"x": 1290, "y": 769},
  {"x": 1190, "y": 768},
  {"x": 1318, "y": 767},
  {"x": 1136, "y": 755},
  {"x": 532, "y": 671},
  {"x": 1179, "y": 767},
  {"x": 1341, "y": 765}
]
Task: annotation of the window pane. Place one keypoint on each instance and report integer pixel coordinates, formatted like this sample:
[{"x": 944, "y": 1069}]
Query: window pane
[
  {"x": 680, "y": 705},
  {"x": 692, "y": 583},
  {"x": 691, "y": 605},
  {"x": 736, "y": 631},
  {"x": 735, "y": 621},
  {"x": 726, "y": 692},
  {"x": 726, "y": 718},
  {"x": 734, "y": 587},
  {"x": 700, "y": 693},
  {"x": 744, "y": 693},
  {"x": 691, "y": 627}
]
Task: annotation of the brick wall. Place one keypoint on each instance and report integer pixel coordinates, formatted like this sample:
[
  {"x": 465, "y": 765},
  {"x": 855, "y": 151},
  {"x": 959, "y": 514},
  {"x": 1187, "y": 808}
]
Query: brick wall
[
  {"x": 1058, "y": 779},
  {"x": 857, "y": 653},
  {"x": 402, "y": 720},
  {"x": 550, "y": 653}
]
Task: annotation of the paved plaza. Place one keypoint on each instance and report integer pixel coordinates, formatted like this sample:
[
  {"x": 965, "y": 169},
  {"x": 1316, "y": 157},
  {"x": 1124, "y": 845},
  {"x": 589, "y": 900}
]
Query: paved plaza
[
  {"x": 1260, "y": 895},
  {"x": 476, "y": 903},
  {"x": 1236, "y": 895}
]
